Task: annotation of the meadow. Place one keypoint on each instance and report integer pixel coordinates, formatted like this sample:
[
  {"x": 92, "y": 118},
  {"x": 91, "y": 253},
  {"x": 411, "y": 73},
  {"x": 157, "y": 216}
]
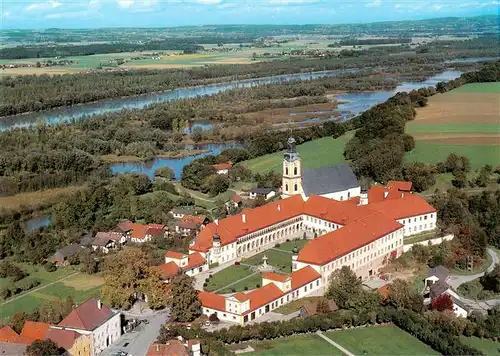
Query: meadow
[{"x": 464, "y": 121}]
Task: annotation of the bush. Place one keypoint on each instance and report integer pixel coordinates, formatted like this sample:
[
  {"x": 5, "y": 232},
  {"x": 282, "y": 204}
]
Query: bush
[
  {"x": 5, "y": 293},
  {"x": 205, "y": 284},
  {"x": 257, "y": 285},
  {"x": 246, "y": 288},
  {"x": 277, "y": 245},
  {"x": 233, "y": 290},
  {"x": 213, "y": 265},
  {"x": 50, "y": 267},
  {"x": 10, "y": 270},
  {"x": 28, "y": 284}
]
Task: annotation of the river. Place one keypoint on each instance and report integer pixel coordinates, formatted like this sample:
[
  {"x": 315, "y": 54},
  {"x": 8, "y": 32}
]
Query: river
[{"x": 36, "y": 223}]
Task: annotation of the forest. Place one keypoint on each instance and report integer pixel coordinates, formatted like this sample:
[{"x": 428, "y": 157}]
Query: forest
[{"x": 34, "y": 93}]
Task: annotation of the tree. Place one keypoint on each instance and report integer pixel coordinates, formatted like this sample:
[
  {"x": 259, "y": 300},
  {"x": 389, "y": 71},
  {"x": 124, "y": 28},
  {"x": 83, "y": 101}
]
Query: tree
[
  {"x": 216, "y": 184},
  {"x": 67, "y": 306},
  {"x": 16, "y": 322},
  {"x": 43, "y": 348},
  {"x": 165, "y": 172},
  {"x": 183, "y": 299},
  {"x": 459, "y": 179},
  {"x": 491, "y": 281},
  {"x": 197, "y": 134},
  {"x": 322, "y": 307},
  {"x": 442, "y": 302},
  {"x": 124, "y": 274},
  {"x": 154, "y": 288},
  {"x": 421, "y": 174},
  {"x": 51, "y": 311},
  {"x": 401, "y": 295},
  {"x": 343, "y": 285}
]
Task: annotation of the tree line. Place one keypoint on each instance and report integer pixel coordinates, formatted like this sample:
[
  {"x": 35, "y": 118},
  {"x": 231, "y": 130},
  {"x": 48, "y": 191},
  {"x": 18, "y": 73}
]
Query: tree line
[{"x": 34, "y": 93}]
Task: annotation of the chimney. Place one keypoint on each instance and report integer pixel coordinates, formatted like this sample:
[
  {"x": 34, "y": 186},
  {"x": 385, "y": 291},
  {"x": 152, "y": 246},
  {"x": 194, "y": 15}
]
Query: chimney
[
  {"x": 363, "y": 198},
  {"x": 157, "y": 348},
  {"x": 279, "y": 207},
  {"x": 244, "y": 218},
  {"x": 216, "y": 221},
  {"x": 99, "y": 304},
  {"x": 385, "y": 194}
]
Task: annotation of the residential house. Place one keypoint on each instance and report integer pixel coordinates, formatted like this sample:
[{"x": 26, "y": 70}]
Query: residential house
[
  {"x": 223, "y": 168},
  {"x": 191, "y": 264},
  {"x": 95, "y": 319},
  {"x": 190, "y": 224},
  {"x": 140, "y": 233},
  {"x": 234, "y": 203},
  {"x": 175, "y": 348},
  {"x": 402, "y": 186},
  {"x": 438, "y": 273},
  {"x": 178, "y": 213},
  {"x": 266, "y": 193},
  {"x": 106, "y": 241},
  {"x": 311, "y": 308},
  {"x": 73, "y": 342},
  {"x": 62, "y": 256}
]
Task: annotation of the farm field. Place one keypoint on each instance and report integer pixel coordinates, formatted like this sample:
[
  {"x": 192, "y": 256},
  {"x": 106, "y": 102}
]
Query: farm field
[
  {"x": 464, "y": 121},
  {"x": 380, "y": 340},
  {"x": 296, "y": 345},
  {"x": 36, "y": 199},
  {"x": 79, "y": 286},
  {"x": 322, "y": 152},
  {"x": 488, "y": 347}
]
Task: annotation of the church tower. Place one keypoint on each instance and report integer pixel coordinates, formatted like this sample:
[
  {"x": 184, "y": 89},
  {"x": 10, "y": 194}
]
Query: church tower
[{"x": 292, "y": 171}]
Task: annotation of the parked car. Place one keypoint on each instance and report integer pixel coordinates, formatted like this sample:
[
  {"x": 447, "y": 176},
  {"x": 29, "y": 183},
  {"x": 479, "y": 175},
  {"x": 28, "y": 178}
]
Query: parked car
[{"x": 236, "y": 263}]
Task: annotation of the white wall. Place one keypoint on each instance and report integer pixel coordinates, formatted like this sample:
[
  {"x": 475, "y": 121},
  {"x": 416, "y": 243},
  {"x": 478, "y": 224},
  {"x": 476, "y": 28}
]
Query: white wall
[
  {"x": 459, "y": 311},
  {"x": 344, "y": 195},
  {"x": 430, "y": 242},
  {"x": 419, "y": 223}
]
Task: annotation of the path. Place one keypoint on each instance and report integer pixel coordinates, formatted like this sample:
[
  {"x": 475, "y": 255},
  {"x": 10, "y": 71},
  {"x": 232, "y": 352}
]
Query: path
[
  {"x": 456, "y": 280},
  {"x": 280, "y": 250},
  {"x": 238, "y": 281},
  {"x": 331, "y": 342},
  {"x": 38, "y": 288}
]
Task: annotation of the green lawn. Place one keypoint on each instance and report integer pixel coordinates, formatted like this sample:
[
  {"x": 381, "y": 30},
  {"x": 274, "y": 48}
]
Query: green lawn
[
  {"x": 380, "y": 340},
  {"x": 250, "y": 283},
  {"x": 294, "y": 305},
  {"x": 470, "y": 127},
  {"x": 227, "y": 276},
  {"x": 39, "y": 273},
  {"x": 436, "y": 152},
  {"x": 296, "y": 345},
  {"x": 282, "y": 260},
  {"x": 479, "y": 88},
  {"x": 488, "y": 347},
  {"x": 317, "y": 153},
  {"x": 289, "y": 245},
  {"x": 420, "y": 237}
]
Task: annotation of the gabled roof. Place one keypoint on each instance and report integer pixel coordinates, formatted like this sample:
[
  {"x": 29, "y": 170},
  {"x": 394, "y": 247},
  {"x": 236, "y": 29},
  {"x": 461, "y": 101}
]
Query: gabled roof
[
  {"x": 125, "y": 226},
  {"x": 240, "y": 297},
  {"x": 102, "y": 238},
  {"x": 222, "y": 166},
  {"x": 10, "y": 336},
  {"x": 87, "y": 316},
  {"x": 212, "y": 300},
  {"x": 261, "y": 191},
  {"x": 171, "y": 348},
  {"x": 174, "y": 254},
  {"x": 278, "y": 277},
  {"x": 179, "y": 210},
  {"x": 34, "y": 330},
  {"x": 303, "y": 276},
  {"x": 335, "y": 211},
  {"x": 340, "y": 242},
  {"x": 262, "y": 296},
  {"x": 7, "y": 348},
  {"x": 63, "y": 338},
  {"x": 329, "y": 179},
  {"x": 190, "y": 225},
  {"x": 168, "y": 270},
  {"x": 400, "y": 185},
  {"x": 67, "y": 251},
  {"x": 406, "y": 206},
  {"x": 194, "y": 260},
  {"x": 198, "y": 219},
  {"x": 236, "y": 198},
  {"x": 440, "y": 272},
  {"x": 438, "y": 288}
]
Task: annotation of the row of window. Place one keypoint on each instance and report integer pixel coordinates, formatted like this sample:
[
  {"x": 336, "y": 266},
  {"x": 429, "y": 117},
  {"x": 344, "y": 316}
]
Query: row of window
[
  {"x": 420, "y": 218},
  {"x": 295, "y": 171}
]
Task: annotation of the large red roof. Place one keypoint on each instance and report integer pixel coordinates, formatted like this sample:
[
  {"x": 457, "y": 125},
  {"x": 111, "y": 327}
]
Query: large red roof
[
  {"x": 34, "y": 330},
  {"x": 195, "y": 260},
  {"x": 407, "y": 205},
  {"x": 303, "y": 276},
  {"x": 262, "y": 296},
  {"x": 87, "y": 316},
  {"x": 278, "y": 277},
  {"x": 171, "y": 348},
  {"x": 174, "y": 254},
  {"x": 63, "y": 338},
  {"x": 399, "y": 185},
  {"x": 340, "y": 242},
  {"x": 168, "y": 270},
  {"x": 334, "y": 211},
  {"x": 10, "y": 336},
  {"x": 212, "y": 300}
]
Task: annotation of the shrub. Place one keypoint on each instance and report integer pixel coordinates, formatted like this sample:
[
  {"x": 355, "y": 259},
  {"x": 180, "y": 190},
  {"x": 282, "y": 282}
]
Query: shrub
[
  {"x": 205, "y": 284},
  {"x": 233, "y": 290},
  {"x": 50, "y": 267},
  {"x": 246, "y": 288},
  {"x": 5, "y": 293},
  {"x": 277, "y": 245},
  {"x": 10, "y": 270},
  {"x": 257, "y": 285},
  {"x": 213, "y": 265},
  {"x": 28, "y": 284}
]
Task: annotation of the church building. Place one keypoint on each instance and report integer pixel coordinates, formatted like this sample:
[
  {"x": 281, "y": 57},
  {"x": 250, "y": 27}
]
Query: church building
[{"x": 336, "y": 182}]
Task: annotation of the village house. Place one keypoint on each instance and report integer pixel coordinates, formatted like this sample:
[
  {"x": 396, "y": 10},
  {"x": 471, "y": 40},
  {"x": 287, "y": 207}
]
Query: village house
[
  {"x": 106, "y": 241},
  {"x": 234, "y": 202},
  {"x": 178, "y": 213},
  {"x": 140, "y": 233},
  {"x": 190, "y": 224},
  {"x": 191, "y": 264},
  {"x": 311, "y": 308},
  {"x": 96, "y": 320},
  {"x": 223, "y": 168},
  {"x": 176, "y": 347},
  {"x": 61, "y": 257},
  {"x": 266, "y": 193}
]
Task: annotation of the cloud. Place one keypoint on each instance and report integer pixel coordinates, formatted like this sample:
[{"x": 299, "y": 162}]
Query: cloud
[
  {"x": 137, "y": 5},
  {"x": 208, "y": 2},
  {"x": 375, "y": 3},
  {"x": 437, "y": 7},
  {"x": 42, "y": 6}
]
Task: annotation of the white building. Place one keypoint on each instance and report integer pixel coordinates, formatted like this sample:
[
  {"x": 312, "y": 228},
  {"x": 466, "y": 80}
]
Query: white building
[
  {"x": 191, "y": 264},
  {"x": 96, "y": 319},
  {"x": 222, "y": 168},
  {"x": 266, "y": 193}
]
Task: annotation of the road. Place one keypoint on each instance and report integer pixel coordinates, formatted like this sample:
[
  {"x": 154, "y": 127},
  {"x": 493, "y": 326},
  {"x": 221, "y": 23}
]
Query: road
[
  {"x": 38, "y": 289},
  {"x": 456, "y": 280},
  {"x": 137, "y": 342}
]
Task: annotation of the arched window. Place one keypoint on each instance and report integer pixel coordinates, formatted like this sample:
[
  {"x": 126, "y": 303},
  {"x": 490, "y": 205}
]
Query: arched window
[
  {"x": 286, "y": 187},
  {"x": 295, "y": 187},
  {"x": 348, "y": 195},
  {"x": 295, "y": 170},
  {"x": 286, "y": 171},
  {"x": 341, "y": 198}
]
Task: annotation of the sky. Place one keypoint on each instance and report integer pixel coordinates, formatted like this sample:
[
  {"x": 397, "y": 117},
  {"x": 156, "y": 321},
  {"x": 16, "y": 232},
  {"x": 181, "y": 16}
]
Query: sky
[{"x": 167, "y": 13}]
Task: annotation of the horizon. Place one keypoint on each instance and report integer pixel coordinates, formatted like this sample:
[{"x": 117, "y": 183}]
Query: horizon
[{"x": 96, "y": 14}]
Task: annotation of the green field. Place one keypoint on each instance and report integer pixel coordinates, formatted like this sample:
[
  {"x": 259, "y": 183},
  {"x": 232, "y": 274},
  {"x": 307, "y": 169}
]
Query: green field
[
  {"x": 228, "y": 275},
  {"x": 80, "y": 287},
  {"x": 282, "y": 260},
  {"x": 289, "y": 245},
  {"x": 488, "y": 347},
  {"x": 380, "y": 340},
  {"x": 296, "y": 345},
  {"x": 322, "y": 152},
  {"x": 493, "y": 87},
  {"x": 436, "y": 152}
]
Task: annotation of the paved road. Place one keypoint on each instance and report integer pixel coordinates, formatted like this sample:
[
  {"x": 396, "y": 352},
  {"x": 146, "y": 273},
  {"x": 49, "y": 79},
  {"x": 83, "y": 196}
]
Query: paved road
[
  {"x": 137, "y": 342},
  {"x": 38, "y": 289},
  {"x": 331, "y": 342},
  {"x": 482, "y": 305}
]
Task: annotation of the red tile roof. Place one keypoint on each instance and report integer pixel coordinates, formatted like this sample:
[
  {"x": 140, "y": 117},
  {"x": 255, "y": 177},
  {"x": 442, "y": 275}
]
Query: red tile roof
[
  {"x": 198, "y": 219},
  {"x": 195, "y": 260},
  {"x": 222, "y": 166},
  {"x": 34, "y": 330},
  {"x": 334, "y": 211},
  {"x": 399, "y": 185},
  {"x": 125, "y": 225},
  {"x": 232, "y": 227},
  {"x": 63, "y": 338},
  {"x": 212, "y": 300},
  {"x": 87, "y": 316},
  {"x": 407, "y": 206},
  {"x": 139, "y": 231},
  {"x": 337, "y": 243},
  {"x": 279, "y": 277},
  {"x": 168, "y": 270},
  {"x": 236, "y": 198},
  {"x": 10, "y": 336},
  {"x": 303, "y": 276},
  {"x": 262, "y": 296},
  {"x": 171, "y": 348},
  {"x": 240, "y": 296},
  {"x": 174, "y": 254}
]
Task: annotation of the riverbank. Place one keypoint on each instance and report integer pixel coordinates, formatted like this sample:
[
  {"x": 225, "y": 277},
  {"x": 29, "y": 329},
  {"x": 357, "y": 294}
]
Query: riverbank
[{"x": 112, "y": 158}]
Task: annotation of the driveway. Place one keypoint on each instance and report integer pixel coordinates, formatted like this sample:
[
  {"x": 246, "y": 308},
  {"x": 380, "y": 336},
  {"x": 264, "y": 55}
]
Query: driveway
[{"x": 137, "y": 342}]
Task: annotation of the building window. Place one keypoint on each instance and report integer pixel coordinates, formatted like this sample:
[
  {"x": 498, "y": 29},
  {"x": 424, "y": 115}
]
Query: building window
[
  {"x": 286, "y": 187},
  {"x": 286, "y": 171},
  {"x": 295, "y": 170},
  {"x": 348, "y": 195},
  {"x": 295, "y": 187}
]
